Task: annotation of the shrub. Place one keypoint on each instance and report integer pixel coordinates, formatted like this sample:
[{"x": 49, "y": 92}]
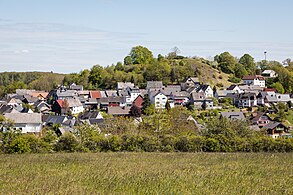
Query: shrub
[{"x": 67, "y": 143}]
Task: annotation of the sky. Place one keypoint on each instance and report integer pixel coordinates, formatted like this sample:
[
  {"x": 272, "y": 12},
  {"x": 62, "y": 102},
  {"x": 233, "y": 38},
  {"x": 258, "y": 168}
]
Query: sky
[{"x": 71, "y": 35}]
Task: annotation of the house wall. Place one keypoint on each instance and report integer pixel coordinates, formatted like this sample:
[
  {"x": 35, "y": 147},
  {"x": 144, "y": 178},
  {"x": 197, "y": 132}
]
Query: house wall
[
  {"x": 77, "y": 110},
  {"x": 209, "y": 92},
  {"x": 28, "y": 128},
  {"x": 159, "y": 100}
]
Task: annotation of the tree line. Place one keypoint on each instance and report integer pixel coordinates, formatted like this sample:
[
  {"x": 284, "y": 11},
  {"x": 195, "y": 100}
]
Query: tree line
[{"x": 163, "y": 131}]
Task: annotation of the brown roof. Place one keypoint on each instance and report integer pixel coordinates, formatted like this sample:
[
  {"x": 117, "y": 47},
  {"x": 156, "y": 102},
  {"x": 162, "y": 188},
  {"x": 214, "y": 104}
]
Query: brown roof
[
  {"x": 95, "y": 94},
  {"x": 252, "y": 77}
]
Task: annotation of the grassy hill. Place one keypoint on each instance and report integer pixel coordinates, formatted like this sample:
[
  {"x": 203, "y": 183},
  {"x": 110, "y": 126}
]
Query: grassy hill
[{"x": 207, "y": 73}]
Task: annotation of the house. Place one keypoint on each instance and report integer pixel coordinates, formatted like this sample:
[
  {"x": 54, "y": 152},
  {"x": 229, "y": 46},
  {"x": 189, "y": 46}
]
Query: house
[
  {"x": 84, "y": 94},
  {"x": 175, "y": 95},
  {"x": 233, "y": 115},
  {"x": 91, "y": 117},
  {"x": 92, "y": 104},
  {"x": 199, "y": 101},
  {"x": 133, "y": 93},
  {"x": 269, "y": 74},
  {"x": 124, "y": 85},
  {"x": 207, "y": 90},
  {"x": 26, "y": 122},
  {"x": 28, "y": 99},
  {"x": 235, "y": 89},
  {"x": 111, "y": 93},
  {"x": 247, "y": 100},
  {"x": 61, "y": 94},
  {"x": 159, "y": 99},
  {"x": 180, "y": 98},
  {"x": 8, "y": 109},
  {"x": 50, "y": 120},
  {"x": 190, "y": 82},
  {"x": 42, "y": 106},
  {"x": 72, "y": 105},
  {"x": 95, "y": 94},
  {"x": 130, "y": 95},
  {"x": 138, "y": 101},
  {"x": 14, "y": 102},
  {"x": 261, "y": 97},
  {"x": 283, "y": 98},
  {"x": 154, "y": 85},
  {"x": 250, "y": 88},
  {"x": 260, "y": 119},
  {"x": 41, "y": 95},
  {"x": 118, "y": 111},
  {"x": 276, "y": 129},
  {"x": 254, "y": 80},
  {"x": 219, "y": 94},
  {"x": 73, "y": 86}
]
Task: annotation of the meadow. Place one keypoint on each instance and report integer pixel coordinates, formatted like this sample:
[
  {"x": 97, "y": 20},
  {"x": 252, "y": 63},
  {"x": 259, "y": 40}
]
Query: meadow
[{"x": 147, "y": 173}]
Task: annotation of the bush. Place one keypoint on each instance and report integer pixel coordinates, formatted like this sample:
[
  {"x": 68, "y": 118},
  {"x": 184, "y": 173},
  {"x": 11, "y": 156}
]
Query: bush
[
  {"x": 67, "y": 143},
  {"x": 19, "y": 145}
]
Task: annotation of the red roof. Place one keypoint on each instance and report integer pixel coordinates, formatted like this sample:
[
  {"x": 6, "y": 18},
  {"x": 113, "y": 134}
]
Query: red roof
[
  {"x": 252, "y": 77},
  {"x": 60, "y": 102},
  {"x": 95, "y": 94},
  {"x": 138, "y": 101},
  {"x": 270, "y": 89}
]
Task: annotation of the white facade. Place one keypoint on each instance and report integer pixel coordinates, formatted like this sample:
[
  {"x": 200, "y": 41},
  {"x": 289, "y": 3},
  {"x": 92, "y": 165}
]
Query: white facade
[
  {"x": 28, "y": 128},
  {"x": 76, "y": 109},
  {"x": 256, "y": 81},
  {"x": 159, "y": 100},
  {"x": 209, "y": 92}
]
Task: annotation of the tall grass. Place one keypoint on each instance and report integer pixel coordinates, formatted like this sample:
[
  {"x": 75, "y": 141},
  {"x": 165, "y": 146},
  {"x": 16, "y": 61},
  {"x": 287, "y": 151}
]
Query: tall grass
[{"x": 147, "y": 173}]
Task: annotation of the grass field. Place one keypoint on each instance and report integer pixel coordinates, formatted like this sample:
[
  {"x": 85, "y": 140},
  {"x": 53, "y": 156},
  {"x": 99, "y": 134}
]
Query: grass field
[{"x": 147, "y": 173}]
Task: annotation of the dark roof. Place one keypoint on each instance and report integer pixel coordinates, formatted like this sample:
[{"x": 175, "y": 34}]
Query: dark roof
[
  {"x": 154, "y": 84},
  {"x": 233, "y": 115},
  {"x": 273, "y": 124},
  {"x": 89, "y": 115},
  {"x": 258, "y": 116},
  {"x": 232, "y": 87}
]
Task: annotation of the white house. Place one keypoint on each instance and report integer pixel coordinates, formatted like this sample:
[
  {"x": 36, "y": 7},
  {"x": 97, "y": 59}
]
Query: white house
[
  {"x": 26, "y": 122},
  {"x": 75, "y": 106},
  {"x": 159, "y": 99},
  {"x": 207, "y": 90},
  {"x": 235, "y": 89},
  {"x": 269, "y": 74},
  {"x": 254, "y": 80}
]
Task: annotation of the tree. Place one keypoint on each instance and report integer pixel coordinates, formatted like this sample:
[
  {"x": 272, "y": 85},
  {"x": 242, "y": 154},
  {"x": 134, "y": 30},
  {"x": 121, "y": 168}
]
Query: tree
[
  {"x": 135, "y": 111},
  {"x": 95, "y": 76},
  {"x": 226, "y": 62},
  {"x": 127, "y": 60},
  {"x": 240, "y": 71},
  {"x": 146, "y": 103},
  {"x": 248, "y": 62},
  {"x": 279, "y": 87},
  {"x": 141, "y": 55},
  {"x": 168, "y": 106}
]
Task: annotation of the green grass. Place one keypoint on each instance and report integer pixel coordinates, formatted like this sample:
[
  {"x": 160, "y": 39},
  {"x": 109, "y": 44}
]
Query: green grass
[{"x": 147, "y": 173}]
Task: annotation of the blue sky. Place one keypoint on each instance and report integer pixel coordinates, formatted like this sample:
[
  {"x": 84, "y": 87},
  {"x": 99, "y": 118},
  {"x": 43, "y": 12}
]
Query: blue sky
[{"x": 71, "y": 35}]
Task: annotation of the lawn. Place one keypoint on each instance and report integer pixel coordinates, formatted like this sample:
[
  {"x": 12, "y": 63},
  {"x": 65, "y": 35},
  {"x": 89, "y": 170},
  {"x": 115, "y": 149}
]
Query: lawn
[{"x": 147, "y": 173}]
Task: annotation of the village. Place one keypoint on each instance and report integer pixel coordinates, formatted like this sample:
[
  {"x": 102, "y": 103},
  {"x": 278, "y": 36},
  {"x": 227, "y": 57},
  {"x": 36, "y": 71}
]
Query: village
[{"x": 251, "y": 102}]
